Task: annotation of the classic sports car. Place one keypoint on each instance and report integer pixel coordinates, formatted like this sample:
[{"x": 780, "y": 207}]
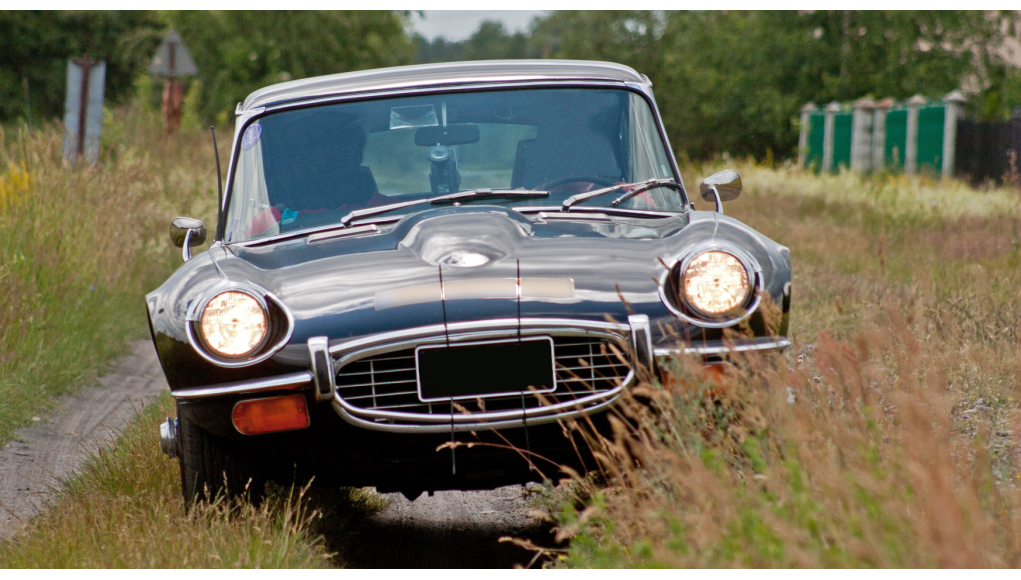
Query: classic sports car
[{"x": 469, "y": 252}]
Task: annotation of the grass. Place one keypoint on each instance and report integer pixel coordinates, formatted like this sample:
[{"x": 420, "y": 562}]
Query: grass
[
  {"x": 79, "y": 248},
  {"x": 885, "y": 437},
  {"x": 124, "y": 510}
]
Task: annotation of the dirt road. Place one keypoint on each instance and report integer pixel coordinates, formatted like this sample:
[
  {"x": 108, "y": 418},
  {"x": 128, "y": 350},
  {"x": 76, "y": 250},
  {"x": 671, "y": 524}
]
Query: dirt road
[
  {"x": 448, "y": 530},
  {"x": 54, "y": 446}
]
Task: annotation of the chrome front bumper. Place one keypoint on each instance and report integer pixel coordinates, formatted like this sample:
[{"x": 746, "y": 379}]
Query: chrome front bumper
[{"x": 631, "y": 342}]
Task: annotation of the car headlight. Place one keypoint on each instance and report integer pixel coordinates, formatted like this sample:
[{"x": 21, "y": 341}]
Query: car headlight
[
  {"x": 715, "y": 283},
  {"x": 234, "y": 324}
]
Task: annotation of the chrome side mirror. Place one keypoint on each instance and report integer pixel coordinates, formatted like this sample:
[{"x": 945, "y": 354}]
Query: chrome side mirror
[
  {"x": 187, "y": 232},
  {"x": 721, "y": 187}
]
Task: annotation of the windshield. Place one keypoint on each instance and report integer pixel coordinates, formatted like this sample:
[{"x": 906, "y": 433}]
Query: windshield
[{"x": 310, "y": 167}]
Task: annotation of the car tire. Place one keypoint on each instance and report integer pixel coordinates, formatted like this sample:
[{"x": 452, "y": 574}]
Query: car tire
[{"x": 210, "y": 468}]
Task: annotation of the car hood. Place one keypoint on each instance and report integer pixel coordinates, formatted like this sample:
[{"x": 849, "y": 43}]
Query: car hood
[{"x": 335, "y": 286}]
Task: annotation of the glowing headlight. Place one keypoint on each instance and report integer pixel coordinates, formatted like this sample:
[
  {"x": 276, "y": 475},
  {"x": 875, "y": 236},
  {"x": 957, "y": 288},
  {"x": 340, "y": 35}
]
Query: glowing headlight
[
  {"x": 234, "y": 324},
  {"x": 715, "y": 283}
]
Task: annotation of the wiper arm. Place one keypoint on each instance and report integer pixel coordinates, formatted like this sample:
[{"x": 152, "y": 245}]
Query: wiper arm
[
  {"x": 450, "y": 197},
  {"x": 636, "y": 188},
  {"x": 488, "y": 194}
]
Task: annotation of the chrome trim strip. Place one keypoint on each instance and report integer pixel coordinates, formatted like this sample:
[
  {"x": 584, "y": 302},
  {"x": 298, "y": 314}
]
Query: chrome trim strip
[
  {"x": 641, "y": 341},
  {"x": 481, "y": 329},
  {"x": 463, "y": 427},
  {"x": 758, "y": 344},
  {"x": 322, "y": 367},
  {"x": 291, "y": 382}
]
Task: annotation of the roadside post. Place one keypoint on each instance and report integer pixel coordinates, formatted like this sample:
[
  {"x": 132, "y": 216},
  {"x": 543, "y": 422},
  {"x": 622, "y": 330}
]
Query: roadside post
[
  {"x": 954, "y": 102},
  {"x": 861, "y": 134},
  {"x": 806, "y": 127},
  {"x": 83, "y": 108},
  {"x": 831, "y": 111},
  {"x": 172, "y": 61},
  {"x": 914, "y": 104}
]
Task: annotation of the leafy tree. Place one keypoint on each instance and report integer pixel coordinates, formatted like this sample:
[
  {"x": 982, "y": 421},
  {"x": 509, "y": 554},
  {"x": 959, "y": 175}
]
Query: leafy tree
[
  {"x": 490, "y": 42},
  {"x": 734, "y": 81},
  {"x": 238, "y": 52},
  {"x": 35, "y": 46}
]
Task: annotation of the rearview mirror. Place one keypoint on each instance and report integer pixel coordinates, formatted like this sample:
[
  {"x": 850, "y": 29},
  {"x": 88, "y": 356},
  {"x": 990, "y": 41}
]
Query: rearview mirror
[
  {"x": 187, "y": 232},
  {"x": 726, "y": 182},
  {"x": 449, "y": 135}
]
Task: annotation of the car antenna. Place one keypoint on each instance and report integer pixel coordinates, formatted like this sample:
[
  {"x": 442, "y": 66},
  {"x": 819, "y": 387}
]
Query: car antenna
[{"x": 219, "y": 180}]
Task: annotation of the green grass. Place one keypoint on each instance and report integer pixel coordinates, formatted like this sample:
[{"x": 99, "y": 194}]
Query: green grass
[{"x": 79, "y": 248}]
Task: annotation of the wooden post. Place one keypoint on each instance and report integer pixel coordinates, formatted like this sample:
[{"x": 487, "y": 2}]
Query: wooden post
[{"x": 173, "y": 95}]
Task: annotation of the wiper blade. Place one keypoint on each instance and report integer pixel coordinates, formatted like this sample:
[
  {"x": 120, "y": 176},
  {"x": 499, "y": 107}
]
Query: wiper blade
[
  {"x": 450, "y": 197},
  {"x": 636, "y": 188}
]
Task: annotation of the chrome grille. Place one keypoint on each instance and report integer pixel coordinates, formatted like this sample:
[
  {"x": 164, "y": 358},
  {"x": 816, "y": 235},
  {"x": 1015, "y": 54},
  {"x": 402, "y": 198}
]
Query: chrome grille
[{"x": 387, "y": 382}]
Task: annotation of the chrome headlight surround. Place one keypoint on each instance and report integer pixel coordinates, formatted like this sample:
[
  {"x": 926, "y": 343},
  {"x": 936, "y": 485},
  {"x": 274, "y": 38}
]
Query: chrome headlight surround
[
  {"x": 671, "y": 290},
  {"x": 276, "y": 335}
]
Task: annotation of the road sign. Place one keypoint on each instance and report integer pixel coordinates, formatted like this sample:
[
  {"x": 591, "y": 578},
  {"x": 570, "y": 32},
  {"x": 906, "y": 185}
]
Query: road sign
[
  {"x": 172, "y": 58},
  {"x": 83, "y": 108}
]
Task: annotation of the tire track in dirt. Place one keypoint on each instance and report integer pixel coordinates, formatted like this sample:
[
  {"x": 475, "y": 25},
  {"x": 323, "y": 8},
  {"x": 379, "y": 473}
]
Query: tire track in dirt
[{"x": 32, "y": 462}]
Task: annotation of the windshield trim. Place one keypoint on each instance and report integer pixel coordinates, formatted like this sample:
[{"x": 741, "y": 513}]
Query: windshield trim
[{"x": 252, "y": 115}]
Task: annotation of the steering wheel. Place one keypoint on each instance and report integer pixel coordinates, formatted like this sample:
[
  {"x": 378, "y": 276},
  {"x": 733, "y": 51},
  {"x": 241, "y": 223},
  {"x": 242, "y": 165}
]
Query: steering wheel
[{"x": 595, "y": 179}]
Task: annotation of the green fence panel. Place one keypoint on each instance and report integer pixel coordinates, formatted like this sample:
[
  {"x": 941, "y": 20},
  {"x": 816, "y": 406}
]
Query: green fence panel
[
  {"x": 896, "y": 138},
  {"x": 816, "y": 138},
  {"x": 842, "y": 140},
  {"x": 930, "y": 139}
]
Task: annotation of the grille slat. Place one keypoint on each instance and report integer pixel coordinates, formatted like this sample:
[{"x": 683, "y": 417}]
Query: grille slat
[{"x": 584, "y": 366}]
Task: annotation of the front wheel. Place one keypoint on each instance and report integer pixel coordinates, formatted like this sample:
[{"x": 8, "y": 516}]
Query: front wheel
[{"x": 210, "y": 467}]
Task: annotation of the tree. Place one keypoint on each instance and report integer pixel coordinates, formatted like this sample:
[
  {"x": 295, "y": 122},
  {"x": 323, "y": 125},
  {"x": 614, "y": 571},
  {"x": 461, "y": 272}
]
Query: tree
[
  {"x": 238, "y": 52},
  {"x": 35, "y": 46}
]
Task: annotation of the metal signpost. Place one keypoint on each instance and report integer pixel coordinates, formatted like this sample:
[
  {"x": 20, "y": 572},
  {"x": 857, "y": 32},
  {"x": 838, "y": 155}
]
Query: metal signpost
[
  {"x": 172, "y": 61},
  {"x": 83, "y": 109}
]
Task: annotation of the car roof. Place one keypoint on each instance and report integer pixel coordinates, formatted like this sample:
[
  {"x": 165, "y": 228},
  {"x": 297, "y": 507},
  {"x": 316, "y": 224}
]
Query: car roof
[{"x": 448, "y": 73}]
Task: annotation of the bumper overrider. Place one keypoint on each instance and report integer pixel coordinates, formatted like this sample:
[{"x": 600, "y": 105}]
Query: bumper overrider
[{"x": 371, "y": 382}]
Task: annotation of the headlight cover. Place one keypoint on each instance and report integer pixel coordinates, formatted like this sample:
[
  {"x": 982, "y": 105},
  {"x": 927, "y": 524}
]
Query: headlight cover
[
  {"x": 234, "y": 325},
  {"x": 715, "y": 283}
]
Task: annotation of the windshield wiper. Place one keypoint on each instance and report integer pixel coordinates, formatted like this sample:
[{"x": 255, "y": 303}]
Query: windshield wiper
[
  {"x": 448, "y": 198},
  {"x": 636, "y": 188}
]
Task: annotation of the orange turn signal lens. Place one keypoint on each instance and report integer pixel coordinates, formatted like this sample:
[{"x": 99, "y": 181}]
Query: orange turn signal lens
[{"x": 254, "y": 416}]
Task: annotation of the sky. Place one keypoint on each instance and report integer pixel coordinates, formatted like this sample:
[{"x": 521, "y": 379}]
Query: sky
[{"x": 460, "y": 24}]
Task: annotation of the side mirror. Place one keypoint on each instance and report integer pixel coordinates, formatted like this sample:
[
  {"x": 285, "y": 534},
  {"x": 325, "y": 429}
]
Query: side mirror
[
  {"x": 721, "y": 187},
  {"x": 187, "y": 232}
]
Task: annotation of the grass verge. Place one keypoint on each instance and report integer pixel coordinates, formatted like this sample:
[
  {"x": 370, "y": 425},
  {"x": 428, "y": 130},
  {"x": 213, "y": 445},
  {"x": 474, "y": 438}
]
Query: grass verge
[
  {"x": 887, "y": 436},
  {"x": 124, "y": 510},
  {"x": 80, "y": 246}
]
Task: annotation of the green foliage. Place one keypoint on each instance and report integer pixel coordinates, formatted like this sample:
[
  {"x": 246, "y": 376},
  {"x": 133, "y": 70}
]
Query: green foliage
[
  {"x": 35, "y": 46},
  {"x": 489, "y": 42},
  {"x": 734, "y": 81},
  {"x": 238, "y": 52}
]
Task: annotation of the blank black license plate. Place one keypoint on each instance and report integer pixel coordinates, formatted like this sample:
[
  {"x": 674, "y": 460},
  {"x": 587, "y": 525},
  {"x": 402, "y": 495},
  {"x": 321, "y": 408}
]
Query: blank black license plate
[{"x": 485, "y": 369}]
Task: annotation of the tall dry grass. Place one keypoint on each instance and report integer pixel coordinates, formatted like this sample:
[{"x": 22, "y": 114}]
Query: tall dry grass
[
  {"x": 124, "y": 510},
  {"x": 80, "y": 246},
  {"x": 887, "y": 436}
]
